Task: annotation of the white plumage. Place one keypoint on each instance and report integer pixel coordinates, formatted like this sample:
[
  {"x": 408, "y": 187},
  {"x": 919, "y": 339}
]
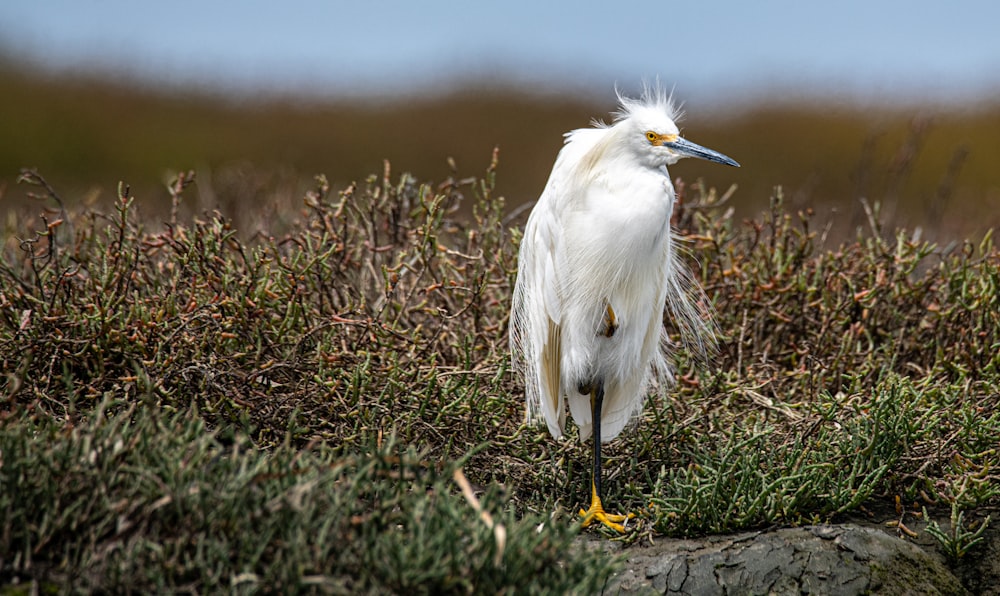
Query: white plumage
[{"x": 597, "y": 267}]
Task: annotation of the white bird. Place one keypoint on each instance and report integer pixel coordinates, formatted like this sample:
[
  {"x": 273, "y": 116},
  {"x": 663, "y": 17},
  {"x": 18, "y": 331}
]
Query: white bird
[{"x": 596, "y": 268}]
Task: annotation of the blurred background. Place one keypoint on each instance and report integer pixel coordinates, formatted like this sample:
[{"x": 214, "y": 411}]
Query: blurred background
[{"x": 894, "y": 102}]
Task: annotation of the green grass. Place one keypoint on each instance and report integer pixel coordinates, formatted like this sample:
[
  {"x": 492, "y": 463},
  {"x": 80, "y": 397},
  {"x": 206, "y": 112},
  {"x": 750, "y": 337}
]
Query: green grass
[
  {"x": 190, "y": 407},
  {"x": 144, "y": 500}
]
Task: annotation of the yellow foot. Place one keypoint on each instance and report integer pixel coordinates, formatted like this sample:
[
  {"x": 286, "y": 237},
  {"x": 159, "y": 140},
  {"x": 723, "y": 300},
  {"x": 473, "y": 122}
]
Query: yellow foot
[{"x": 597, "y": 513}]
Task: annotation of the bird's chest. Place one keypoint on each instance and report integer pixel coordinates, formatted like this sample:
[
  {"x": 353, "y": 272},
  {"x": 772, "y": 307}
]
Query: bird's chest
[{"x": 633, "y": 213}]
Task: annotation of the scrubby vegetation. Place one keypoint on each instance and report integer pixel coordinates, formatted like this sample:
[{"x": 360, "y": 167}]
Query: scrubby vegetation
[
  {"x": 936, "y": 164},
  {"x": 329, "y": 408}
]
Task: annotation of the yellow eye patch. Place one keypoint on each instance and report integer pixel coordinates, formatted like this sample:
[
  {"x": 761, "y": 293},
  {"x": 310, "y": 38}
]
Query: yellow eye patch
[{"x": 658, "y": 139}]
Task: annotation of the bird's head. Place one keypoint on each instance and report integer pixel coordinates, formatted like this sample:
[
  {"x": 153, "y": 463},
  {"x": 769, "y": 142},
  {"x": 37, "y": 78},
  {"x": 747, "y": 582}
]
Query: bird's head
[{"x": 650, "y": 126}]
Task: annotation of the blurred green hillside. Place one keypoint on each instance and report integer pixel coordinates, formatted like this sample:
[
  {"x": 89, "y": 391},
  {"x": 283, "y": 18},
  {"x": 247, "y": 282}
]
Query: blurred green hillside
[{"x": 931, "y": 167}]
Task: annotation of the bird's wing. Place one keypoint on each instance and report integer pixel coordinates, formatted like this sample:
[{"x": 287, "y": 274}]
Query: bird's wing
[
  {"x": 548, "y": 246},
  {"x": 539, "y": 311},
  {"x": 550, "y": 393},
  {"x": 535, "y": 334},
  {"x": 551, "y": 396}
]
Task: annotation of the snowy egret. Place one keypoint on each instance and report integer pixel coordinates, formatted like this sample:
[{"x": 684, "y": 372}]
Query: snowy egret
[{"x": 596, "y": 268}]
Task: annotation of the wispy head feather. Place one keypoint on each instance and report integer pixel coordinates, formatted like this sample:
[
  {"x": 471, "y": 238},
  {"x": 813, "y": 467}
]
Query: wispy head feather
[{"x": 654, "y": 97}]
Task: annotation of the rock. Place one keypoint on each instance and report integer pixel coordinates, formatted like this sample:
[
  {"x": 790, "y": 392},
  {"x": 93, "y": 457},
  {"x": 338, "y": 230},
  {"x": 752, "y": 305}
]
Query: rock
[
  {"x": 841, "y": 559},
  {"x": 981, "y": 573}
]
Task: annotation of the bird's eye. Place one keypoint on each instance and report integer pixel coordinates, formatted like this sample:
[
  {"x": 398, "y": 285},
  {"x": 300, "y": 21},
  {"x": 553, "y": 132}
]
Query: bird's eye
[{"x": 652, "y": 137}]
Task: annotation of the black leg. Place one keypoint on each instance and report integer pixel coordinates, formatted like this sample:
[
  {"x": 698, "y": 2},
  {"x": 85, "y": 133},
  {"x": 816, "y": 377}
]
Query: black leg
[
  {"x": 596, "y": 401},
  {"x": 596, "y": 511}
]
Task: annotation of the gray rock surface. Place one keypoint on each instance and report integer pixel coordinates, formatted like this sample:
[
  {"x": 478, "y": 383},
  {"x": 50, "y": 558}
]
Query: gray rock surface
[{"x": 840, "y": 559}]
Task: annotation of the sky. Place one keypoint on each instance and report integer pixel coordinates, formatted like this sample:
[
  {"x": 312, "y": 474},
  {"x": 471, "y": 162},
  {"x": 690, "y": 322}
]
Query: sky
[{"x": 724, "y": 52}]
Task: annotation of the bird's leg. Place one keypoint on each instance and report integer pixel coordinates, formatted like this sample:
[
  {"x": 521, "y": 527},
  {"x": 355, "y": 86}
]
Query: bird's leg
[
  {"x": 610, "y": 322},
  {"x": 596, "y": 511}
]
